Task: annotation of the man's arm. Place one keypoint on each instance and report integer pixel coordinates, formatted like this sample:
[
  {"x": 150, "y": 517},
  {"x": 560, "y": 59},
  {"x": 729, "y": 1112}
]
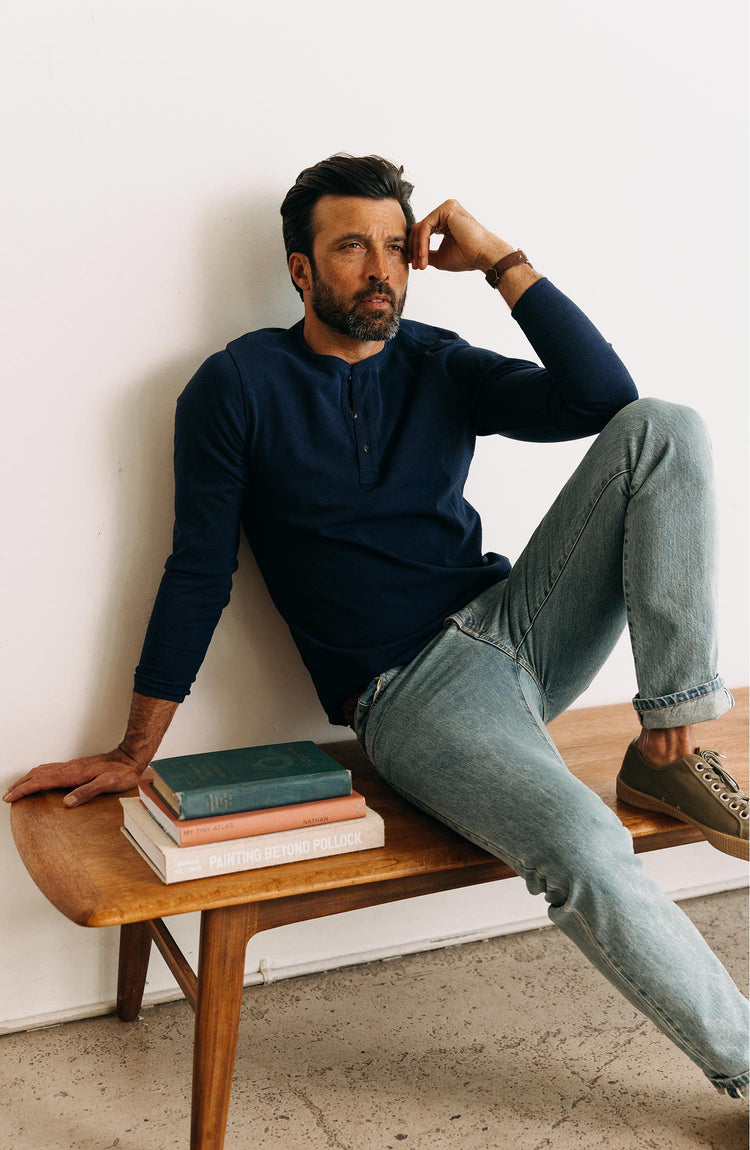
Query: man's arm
[
  {"x": 582, "y": 383},
  {"x": 466, "y": 246},
  {"x": 116, "y": 770}
]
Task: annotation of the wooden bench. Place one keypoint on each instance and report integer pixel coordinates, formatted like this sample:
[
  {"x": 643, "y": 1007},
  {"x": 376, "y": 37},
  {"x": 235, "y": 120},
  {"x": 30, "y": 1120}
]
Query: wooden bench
[{"x": 86, "y": 868}]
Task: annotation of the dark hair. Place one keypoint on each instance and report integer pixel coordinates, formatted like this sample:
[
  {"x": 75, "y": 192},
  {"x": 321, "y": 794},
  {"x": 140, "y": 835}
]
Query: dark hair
[{"x": 339, "y": 175}]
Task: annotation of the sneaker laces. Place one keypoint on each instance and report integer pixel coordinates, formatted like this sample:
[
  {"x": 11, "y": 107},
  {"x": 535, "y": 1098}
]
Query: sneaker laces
[{"x": 712, "y": 759}]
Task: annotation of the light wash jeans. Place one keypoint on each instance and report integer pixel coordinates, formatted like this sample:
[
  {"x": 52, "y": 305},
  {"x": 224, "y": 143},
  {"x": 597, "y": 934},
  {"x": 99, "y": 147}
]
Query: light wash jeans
[{"x": 460, "y": 731}]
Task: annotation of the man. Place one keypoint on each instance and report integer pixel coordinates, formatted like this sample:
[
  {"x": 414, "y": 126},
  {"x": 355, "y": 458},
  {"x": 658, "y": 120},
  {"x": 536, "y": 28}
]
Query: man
[{"x": 342, "y": 447}]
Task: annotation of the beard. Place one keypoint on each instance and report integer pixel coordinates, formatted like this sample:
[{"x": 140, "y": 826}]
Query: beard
[{"x": 345, "y": 317}]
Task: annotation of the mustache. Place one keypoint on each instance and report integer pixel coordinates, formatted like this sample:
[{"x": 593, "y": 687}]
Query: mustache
[{"x": 381, "y": 289}]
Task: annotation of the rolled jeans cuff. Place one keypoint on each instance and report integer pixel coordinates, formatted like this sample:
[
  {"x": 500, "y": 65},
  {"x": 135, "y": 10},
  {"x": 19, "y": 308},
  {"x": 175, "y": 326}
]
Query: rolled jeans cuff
[
  {"x": 680, "y": 709},
  {"x": 736, "y": 1087}
]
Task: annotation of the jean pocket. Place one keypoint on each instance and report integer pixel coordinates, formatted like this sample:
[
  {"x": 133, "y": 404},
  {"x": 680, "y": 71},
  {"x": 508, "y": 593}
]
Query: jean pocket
[{"x": 370, "y": 693}]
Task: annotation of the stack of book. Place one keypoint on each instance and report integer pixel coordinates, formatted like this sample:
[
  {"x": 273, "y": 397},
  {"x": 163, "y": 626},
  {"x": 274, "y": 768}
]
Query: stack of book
[{"x": 238, "y": 810}]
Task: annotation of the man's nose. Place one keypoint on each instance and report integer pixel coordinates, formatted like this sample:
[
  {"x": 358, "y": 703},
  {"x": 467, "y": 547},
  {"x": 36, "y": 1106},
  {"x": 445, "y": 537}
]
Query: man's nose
[{"x": 378, "y": 272}]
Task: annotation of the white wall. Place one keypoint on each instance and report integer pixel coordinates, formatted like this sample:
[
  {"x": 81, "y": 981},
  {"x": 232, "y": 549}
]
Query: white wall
[{"x": 146, "y": 147}]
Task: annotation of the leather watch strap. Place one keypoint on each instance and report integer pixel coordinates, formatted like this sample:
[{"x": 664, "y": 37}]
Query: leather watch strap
[{"x": 509, "y": 261}]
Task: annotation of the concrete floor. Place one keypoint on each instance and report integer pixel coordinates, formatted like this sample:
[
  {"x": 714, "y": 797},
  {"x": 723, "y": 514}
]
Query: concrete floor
[{"x": 511, "y": 1044}]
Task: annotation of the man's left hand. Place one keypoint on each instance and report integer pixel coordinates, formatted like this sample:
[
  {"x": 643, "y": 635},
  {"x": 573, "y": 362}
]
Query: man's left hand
[{"x": 466, "y": 244}]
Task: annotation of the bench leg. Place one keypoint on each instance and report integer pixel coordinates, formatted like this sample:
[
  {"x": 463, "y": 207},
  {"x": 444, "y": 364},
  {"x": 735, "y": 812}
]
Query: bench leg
[
  {"x": 224, "y": 935},
  {"x": 135, "y": 948}
]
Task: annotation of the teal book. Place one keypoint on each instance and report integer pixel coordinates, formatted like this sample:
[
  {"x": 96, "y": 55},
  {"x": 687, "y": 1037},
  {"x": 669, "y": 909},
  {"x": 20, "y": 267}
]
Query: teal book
[{"x": 248, "y": 779}]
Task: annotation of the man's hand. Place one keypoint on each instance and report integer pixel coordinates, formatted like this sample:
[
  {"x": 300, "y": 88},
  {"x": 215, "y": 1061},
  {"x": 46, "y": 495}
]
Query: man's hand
[
  {"x": 94, "y": 775},
  {"x": 117, "y": 770},
  {"x": 466, "y": 246}
]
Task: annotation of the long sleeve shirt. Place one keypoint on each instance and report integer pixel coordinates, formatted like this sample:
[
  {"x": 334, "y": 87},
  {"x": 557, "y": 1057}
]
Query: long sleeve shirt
[{"x": 348, "y": 482}]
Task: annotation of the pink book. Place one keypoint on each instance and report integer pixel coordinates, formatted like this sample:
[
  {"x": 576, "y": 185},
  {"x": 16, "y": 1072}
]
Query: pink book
[{"x": 217, "y": 828}]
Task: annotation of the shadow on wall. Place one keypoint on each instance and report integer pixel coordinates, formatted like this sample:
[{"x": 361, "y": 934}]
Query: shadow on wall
[{"x": 241, "y": 267}]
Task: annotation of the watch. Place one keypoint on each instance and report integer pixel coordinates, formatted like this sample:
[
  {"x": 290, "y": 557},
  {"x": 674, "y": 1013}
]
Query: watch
[{"x": 493, "y": 276}]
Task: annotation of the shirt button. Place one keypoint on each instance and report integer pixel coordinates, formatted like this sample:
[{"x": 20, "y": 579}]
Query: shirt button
[
  {"x": 366, "y": 447},
  {"x": 353, "y": 414}
]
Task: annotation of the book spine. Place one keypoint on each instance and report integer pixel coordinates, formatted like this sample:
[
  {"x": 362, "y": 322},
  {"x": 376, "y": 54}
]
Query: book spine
[
  {"x": 322, "y": 842},
  {"x": 246, "y": 823},
  {"x": 261, "y": 795},
  {"x": 178, "y": 864}
]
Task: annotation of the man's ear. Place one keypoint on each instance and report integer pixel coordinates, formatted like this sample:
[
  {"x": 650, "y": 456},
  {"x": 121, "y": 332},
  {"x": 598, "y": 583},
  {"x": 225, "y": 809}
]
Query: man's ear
[{"x": 300, "y": 271}]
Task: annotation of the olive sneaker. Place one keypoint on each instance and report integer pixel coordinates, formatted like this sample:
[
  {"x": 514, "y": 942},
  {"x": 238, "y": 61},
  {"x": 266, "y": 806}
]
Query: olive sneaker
[{"x": 696, "y": 789}]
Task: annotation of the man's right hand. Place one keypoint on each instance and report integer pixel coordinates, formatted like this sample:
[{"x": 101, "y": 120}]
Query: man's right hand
[
  {"x": 93, "y": 775},
  {"x": 114, "y": 771}
]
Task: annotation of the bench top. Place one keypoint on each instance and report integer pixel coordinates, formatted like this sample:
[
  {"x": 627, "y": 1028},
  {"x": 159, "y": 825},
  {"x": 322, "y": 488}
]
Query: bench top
[{"x": 86, "y": 868}]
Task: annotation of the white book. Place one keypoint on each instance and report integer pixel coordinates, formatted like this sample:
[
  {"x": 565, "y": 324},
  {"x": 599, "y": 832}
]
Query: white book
[{"x": 174, "y": 863}]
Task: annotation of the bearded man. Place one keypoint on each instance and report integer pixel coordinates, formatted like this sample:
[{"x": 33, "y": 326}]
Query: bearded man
[{"x": 341, "y": 447}]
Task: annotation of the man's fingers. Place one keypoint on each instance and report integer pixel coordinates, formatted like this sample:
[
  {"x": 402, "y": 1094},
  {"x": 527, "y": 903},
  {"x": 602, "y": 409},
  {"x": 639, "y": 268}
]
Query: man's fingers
[
  {"x": 87, "y": 791},
  {"x": 112, "y": 780},
  {"x": 419, "y": 236},
  {"x": 90, "y": 776},
  {"x": 42, "y": 778},
  {"x": 466, "y": 245},
  {"x": 419, "y": 245},
  {"x": 14, "y": 792}
]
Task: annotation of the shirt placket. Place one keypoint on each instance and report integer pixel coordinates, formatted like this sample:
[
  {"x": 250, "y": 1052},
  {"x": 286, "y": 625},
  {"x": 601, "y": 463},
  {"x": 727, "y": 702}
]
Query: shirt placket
[{"x": 364, "y": 437}]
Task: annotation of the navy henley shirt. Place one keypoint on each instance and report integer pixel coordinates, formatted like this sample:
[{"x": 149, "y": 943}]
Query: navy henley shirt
[{"x": 348, "y": 481}]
